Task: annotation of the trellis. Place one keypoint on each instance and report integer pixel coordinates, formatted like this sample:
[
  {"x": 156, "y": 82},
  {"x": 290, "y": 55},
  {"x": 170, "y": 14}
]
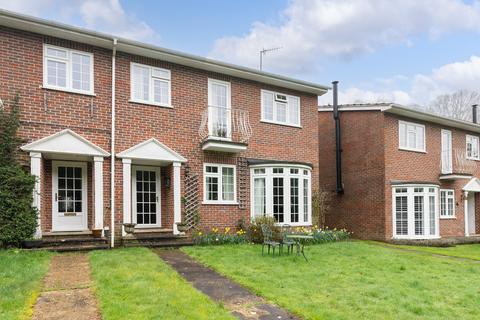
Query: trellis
[
  {"x": 242, "y": 174},
  {"x": 191, "y": 203}
]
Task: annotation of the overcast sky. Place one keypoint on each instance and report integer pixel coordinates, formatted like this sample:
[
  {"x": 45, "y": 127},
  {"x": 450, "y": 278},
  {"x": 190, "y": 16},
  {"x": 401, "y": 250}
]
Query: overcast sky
[{"x": 404, "y": 51}]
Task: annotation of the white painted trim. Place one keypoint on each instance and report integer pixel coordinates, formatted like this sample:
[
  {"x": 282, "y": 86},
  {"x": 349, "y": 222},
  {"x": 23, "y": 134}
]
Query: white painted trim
[
  {"x": 454, "y": 176},
  {"x": 177, "y": 200},
  {"x": 406, "y": 147},
  {"x": 98, "y": 192},
  {"x": 444, "y": 217},
  {"x": 218, "y": 175},
  {"x": 280, "y": 164},
  {"x": 112, "y": 147},
  {"x": 465, "y": 210},
  {"x": 36, "y": 146},
  {"x": 36, "y": 171},
  {"x": 69, "y": 65},
  {"x": 130, "y": 153},
  {"x": 127, "y": 192},
  {"x": 151, "y": 94},
  {"x": 287, "y": 110},
  {"x": 83, "y": 165},
  {"x": 449, "y": 148},
  {"x": 330, "y": 109},
  {"x": 158, "y": 191},
  {"x": 223, "y": 147}
]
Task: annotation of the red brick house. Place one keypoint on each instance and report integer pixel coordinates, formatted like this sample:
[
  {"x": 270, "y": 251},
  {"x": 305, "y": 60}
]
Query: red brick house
[
  {"x": 118, "y": 131},
  {"x": 406, "y": 174}
]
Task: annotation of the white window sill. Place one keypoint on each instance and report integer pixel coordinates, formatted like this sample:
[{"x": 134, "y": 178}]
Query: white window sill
[
  {"x": 86, "y": 93},
  {"x": 412, "y": 150},
  {"x": 282, "y": 124},
  {"x": 415, "y": 237},
  {"x": 473, "y": 159},
  {"x": 294, "y": 225},
  {"x": 228, "y": 203},
  {"x": 149, "y": 103},
  {"x": 448, "y": 217}
]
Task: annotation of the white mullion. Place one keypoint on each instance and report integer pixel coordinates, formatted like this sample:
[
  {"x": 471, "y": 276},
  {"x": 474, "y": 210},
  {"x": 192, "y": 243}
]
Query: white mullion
[
  {"x": 410, "y": 212},
  {"x": 286, "y": 196},
  {"x": 269, "y": 191},
  {"x": 220, "y": 184},
  {"x": 301, "y": 206},
  {"x": 426, "y": 213}
]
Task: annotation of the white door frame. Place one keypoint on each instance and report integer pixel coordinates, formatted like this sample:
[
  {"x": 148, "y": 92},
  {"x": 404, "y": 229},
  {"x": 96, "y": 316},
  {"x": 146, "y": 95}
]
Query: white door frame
[
  {"x": 470, "y": 213},
  {"x": 56, "y": 217},
  {"x": 134, "y": 195}
]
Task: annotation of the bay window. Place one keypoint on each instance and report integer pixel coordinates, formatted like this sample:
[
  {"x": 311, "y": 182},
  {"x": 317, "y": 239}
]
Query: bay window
[
  {"x": 280, "y": 108},
  {"x": 282, "y": 192},
  {"x": 150, "y": 85},
  {"x": 219, "y": 184},
  {"x": 415, "y": 212},
  {"x": 68, "y": 70}
]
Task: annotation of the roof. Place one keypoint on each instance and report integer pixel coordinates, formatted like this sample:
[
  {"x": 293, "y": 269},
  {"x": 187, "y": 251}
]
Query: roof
[
  {"x": 151, "y": 149},
  {"x": 103, "y": 40},
  {"x": 400, "y": 110}
]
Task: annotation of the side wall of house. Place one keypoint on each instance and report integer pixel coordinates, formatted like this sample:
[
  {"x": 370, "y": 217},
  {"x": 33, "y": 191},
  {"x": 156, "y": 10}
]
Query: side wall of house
[{"x": 360, "y": 208}]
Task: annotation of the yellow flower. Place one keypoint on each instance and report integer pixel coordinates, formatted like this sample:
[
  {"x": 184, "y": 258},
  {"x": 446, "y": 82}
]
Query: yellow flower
[
  {"x": 215, "y": 230},
  {"x": 227, "y": 230},
  {"x": 199, "y": 233}
]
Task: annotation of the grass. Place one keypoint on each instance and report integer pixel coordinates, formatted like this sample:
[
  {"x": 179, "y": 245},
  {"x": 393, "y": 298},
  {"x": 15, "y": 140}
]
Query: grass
[
  {"x": 135, "y": 283},
  {"x": 353, "y": 280},
  {"x": 469, "y": 251},
  {"x": 21, "y": 273}
]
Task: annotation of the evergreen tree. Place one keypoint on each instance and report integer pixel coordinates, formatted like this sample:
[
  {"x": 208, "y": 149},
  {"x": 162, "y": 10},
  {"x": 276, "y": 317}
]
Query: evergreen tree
[{"x": 18, "y": 219}]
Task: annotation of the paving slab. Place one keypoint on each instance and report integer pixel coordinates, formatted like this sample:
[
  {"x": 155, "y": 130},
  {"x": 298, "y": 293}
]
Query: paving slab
[
  {"x": 66, "y": 291},
  {"x": 239, "y": 300}
]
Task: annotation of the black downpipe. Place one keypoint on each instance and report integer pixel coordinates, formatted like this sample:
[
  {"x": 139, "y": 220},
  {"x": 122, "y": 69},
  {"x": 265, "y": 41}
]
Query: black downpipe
[
  {"x": 338, "y": 145},
  {"x": 474, "y": 113}
]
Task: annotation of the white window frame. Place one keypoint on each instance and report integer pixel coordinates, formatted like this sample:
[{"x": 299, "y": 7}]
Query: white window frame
[
  {"x": 286, "y": 175},
  {"x": 468, "y": 140},
  {"x": 151, "y": 93},
  {"x": 212, "y": 110},
  {"x": 220, "y": 183},
  {"x": 447, "y": 197},
  {"x": 288, "y": 121},
  {"x": 410, "y": 194},
  {"x": 69, "y": 65},
  {"x": 406, "y": 146}
]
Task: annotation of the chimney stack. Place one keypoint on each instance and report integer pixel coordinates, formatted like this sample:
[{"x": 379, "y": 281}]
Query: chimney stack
[{"x": 474, "y": 113}]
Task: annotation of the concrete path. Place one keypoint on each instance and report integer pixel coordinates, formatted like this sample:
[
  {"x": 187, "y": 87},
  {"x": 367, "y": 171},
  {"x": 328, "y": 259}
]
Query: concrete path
[
  {"x": 240, "y": 301},
  {"x": 66, "y": 292}
]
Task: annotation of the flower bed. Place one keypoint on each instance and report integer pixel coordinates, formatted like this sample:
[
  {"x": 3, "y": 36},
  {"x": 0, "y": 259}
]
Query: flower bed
[{"x": 217, "y": 237}]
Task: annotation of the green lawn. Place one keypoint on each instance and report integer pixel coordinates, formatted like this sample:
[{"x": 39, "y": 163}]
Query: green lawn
[
  {"x": 136, "y": 284},
  {"x": 21, "y": 273},
  {"x": 354, "y": 280},
  {"x": 470, "y": 251}
]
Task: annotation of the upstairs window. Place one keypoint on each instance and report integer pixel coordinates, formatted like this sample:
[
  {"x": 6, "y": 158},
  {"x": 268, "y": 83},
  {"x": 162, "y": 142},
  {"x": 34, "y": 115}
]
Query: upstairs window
[
  {"x": 280, "y": 108},
  {"x": 472, "y": 148},
  {"x": 411, "y": 136},
  {"x": 68, "y": 70},
  {"x": 150, "y": 85}
]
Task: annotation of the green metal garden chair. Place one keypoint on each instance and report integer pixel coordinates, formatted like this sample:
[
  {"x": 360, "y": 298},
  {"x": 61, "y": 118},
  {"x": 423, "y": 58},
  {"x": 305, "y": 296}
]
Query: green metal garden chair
[
  {"x": 289, "y": 243},
  {"x": 268, "y": 240}
]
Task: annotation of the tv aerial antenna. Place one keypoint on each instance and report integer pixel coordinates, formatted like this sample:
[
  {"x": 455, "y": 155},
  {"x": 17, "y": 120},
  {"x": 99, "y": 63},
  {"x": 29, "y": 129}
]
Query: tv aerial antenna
[{"x": 264, "y": 52}]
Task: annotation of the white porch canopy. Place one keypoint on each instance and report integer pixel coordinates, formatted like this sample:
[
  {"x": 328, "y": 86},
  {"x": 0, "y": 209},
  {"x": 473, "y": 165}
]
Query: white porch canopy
[
  {"x": 472, "y": 186},
  {"x": 67, "y": 145},
  {"x": 151, "y": 152}
]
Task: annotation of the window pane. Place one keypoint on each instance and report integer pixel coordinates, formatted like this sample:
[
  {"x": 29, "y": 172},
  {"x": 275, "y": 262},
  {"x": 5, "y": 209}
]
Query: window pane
[
  {"x": 212, "y": 188},
  {"x": 294, "y": 215},
  {"x": 294, "y": 110},
  {"x": 160, "y": 73},
  {"x": 57, "y": 53},
  {"x": 57, "y": 73},
  {"x": 278, "y": 200},
  {"x": 227, "y": 184},
  {"x": 305, "y": 200},
  {"x": 161, "y": 91},
  {"x": 141, "y": 82},
  {"x": 401, "y": 215},
  {"x": 419, "y": 215},
  {"x": 267, "y": 99},
  {"x": 433, "y": 220},
  {"x": 259, "y": 200},
  {"x": 218, "y": 95},
  {"x": 281, "y": 112},
  {"x": 80, "y": 72}
]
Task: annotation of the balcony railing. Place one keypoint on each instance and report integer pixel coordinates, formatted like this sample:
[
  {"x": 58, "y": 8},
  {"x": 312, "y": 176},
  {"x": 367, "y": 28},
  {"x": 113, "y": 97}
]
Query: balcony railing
[
  {"x": 225, "y": 124},
  {"x": 456, "y": 162}
]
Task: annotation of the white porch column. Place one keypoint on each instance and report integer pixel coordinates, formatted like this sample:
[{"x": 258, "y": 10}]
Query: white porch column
[
  {"x": 127, "y": 192},
  {"x": 35, "y": 170},
  {"x": 98, "y": 174},
  {"x": 465, "y": 211},
  {"x": 177, "y": 214}
]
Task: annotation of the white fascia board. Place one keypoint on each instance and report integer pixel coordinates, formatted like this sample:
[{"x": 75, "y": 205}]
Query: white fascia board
[{"x": 372, "y": 108}]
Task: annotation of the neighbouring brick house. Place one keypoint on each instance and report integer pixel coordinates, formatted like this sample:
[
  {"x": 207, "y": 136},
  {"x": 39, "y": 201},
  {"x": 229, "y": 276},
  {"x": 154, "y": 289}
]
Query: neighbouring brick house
[
  {"x": 185, "y": 134},
  {"x": 406, "y": 174}
]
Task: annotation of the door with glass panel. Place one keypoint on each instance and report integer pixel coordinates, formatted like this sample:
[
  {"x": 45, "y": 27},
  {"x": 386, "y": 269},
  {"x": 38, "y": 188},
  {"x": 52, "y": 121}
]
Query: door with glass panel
[
  {"x": 219, "y": 109},
  {"x": 69, "y": 196},
  {"x": 146, "y": 196}
]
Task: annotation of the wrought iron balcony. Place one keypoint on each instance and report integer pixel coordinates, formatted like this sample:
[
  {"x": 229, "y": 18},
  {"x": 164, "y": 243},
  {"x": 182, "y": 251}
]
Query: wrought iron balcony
[
  {"x": 225, "y": 129},
  {"x": 454, "y": 164}
]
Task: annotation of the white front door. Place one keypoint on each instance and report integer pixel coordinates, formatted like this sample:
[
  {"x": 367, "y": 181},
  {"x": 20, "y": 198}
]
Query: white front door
[
  {"x": 69, "y": 196},
  {"x": 447, "y": 166},
  {"x": 471, "y": 213},
  {"x": 146, "y": 196}
]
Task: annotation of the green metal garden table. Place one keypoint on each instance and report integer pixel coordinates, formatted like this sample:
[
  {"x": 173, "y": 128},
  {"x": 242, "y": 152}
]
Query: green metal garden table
[{"x": 301, "y": 240}]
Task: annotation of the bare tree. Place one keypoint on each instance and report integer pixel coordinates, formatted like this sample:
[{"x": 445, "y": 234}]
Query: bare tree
[
  {"x": 321, "y": 204},
  {"x": 456, "y": 105}
]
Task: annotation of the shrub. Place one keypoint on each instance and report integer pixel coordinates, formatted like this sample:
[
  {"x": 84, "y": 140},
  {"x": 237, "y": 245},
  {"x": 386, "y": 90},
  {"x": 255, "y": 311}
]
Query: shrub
[
  {"x": 217, "y": 237},
  {"x": 18, "y": 219},
  {"x": 254, "y": 230},
  {"x": 323, "y": 235}
]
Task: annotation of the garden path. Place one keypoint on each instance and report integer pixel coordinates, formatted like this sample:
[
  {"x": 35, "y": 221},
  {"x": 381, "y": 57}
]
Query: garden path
[
  {"x": 66, "y": 291},
  {"x": 240, "y": 301}
]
